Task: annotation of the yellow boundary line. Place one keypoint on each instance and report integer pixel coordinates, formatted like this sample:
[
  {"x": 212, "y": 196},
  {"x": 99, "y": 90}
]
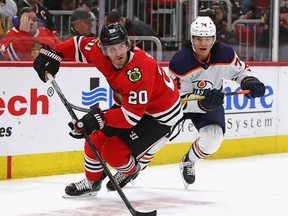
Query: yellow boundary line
[{"x": 24, "y": 166}]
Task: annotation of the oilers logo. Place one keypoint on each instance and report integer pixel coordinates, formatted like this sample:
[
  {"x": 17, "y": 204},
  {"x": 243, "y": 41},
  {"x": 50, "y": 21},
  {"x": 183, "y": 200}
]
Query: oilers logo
[
  {"x": 134, "y": 75},
  {"x": 200, "y": 85}
]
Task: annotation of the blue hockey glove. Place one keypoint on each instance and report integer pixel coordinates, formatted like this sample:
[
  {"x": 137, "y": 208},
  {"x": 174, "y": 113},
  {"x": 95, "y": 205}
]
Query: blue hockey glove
[
  {"x": 213, "y": 99},
  {"x": 257, "y": 88}
]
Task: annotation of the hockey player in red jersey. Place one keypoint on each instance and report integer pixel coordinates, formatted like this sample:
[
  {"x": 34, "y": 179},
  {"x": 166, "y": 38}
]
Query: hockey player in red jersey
[
  {"x": 147, "y": 104},
  {"x": 22, "y": 40},
  {"x": 199, "y": 69}
]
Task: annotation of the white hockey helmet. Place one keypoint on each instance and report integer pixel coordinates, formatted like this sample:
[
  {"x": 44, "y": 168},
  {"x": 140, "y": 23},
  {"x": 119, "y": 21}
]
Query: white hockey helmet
[{"x": 203, "y": 26}]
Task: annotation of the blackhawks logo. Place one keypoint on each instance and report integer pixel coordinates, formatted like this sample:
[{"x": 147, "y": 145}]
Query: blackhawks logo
[
  {"x": 35, "y": 50},
  {"x": 134, "y": 75},
  {"x": 99, "y": 44}
]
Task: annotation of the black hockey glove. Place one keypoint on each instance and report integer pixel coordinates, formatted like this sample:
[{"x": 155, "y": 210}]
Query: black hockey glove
[
  {"x": 48, "y": 60},
  {"x": 94, "y": 120},
  {"x": 213, "y": 99},
  {"x": 257, "y": 88}
]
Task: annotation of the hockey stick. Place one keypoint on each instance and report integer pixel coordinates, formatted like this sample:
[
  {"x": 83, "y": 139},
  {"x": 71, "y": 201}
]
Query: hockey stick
[
  {"x": 97, "y": 155},
  {"x": 81, "y": 109},
  {"x": 201, "y": 97},
  {"x": 237, "y": 92}
]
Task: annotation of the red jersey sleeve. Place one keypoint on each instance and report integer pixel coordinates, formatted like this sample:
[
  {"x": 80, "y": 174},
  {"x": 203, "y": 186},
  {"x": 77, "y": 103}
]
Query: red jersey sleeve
[
  {"x": 45, "y": 36},
  {"x": 17, "y": 45},
  {"x": 78, "y": 49}
]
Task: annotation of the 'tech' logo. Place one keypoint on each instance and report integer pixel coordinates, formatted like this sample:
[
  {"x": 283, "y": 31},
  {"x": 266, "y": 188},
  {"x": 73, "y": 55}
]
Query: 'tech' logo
[{"x": 18, "y": 105}]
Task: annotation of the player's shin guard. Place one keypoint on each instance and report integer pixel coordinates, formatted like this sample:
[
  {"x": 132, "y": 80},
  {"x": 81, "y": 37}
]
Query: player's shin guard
[
  {"x": 145, "y": 160},
  {"x": 206, "y": 144}
]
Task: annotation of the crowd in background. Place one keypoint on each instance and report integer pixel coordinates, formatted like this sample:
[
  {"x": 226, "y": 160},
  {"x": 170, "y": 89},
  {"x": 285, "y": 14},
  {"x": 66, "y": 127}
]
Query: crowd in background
[{"x": 82, "y": 23}]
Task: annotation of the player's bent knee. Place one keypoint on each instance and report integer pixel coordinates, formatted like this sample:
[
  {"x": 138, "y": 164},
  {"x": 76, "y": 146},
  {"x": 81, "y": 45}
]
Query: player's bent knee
[
  {"x": 114, "y": 150},
  {"x": 210, "y": 139}
]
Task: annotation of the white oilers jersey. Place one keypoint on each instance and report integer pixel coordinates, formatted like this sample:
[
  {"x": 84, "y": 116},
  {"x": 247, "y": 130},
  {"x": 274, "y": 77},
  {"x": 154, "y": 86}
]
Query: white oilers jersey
[{"x": 193, "y": 75}]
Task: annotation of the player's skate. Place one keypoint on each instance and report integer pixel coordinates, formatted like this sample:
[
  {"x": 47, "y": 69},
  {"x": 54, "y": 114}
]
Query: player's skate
[
  {"x": 83, "y": 188},
  {"x": 187, "y": 171},
  {"x": 123, "y": 179}
]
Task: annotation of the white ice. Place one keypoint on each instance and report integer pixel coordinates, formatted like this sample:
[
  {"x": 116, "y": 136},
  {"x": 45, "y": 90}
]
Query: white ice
[{"x": 249, "y": 186}]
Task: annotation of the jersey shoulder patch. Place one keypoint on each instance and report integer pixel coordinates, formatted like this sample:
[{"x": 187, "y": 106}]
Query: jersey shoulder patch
[
  {"x": 183, "y": 61},
  {"x": 222, "y": 54}
]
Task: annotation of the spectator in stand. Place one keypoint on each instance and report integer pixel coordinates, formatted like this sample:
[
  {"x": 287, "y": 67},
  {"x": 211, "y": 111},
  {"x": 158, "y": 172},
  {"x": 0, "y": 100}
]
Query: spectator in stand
[
  {"x": 246, "y": 32},
  {"x": 134, "y": 28},
  {"x": 284, "y": 13},
  {"x": 22, "y": 42},
  {"x": 8, "y": 10},
  {"x": 219, "y": 18},
  {"x": 246, "y": 7},
  {"x": 87, "y": 4},
  {"x": 43, "y": 14},
  {"x": 81, "y": 23},
  {"x": 60, "y": 4},
  {"x": 236, "y": 11},
  {"x": 264, "y": 43},
  {"x": 62, "y": 21},
  {"x": 68, "y": 5},
  {"x": 90, "y": 5},
  {"x": 255, "y": 9}
]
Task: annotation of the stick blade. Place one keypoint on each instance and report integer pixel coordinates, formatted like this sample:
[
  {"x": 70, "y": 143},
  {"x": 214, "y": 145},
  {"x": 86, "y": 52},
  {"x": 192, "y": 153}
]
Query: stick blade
[{"x": 153, "y": 213}]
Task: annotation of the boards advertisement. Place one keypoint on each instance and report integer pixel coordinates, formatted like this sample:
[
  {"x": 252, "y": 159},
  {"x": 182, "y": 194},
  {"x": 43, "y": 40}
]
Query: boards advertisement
[{"x": 34, "y": 120}]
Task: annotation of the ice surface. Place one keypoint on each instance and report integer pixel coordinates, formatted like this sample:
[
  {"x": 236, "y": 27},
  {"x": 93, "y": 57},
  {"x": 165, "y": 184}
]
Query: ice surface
[{"x": 249, "y": 186}]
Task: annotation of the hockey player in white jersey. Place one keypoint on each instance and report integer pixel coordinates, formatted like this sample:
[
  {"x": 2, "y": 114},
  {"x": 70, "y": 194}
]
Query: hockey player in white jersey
[{"x": 199, "y": 69}]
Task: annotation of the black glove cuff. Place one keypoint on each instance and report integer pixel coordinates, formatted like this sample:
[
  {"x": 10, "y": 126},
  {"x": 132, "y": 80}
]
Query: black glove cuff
[
  {"x": 48, "y": 60},
  {"x": 247, "y": 79},
  {"x": 207, "y": 107},
  {"x": 213, "y": 99},
  {"x": 51, "y": 54},
  {"x": 257, "y": 88}
]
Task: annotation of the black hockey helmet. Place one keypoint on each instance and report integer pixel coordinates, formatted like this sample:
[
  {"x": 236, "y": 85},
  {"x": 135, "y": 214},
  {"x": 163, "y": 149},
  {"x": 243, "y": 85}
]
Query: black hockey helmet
[{"x": 113, "y": 33}]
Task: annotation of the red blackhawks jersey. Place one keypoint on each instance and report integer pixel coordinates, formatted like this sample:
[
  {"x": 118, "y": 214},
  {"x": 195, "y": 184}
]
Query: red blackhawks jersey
[
  {"x": 17, "y": 45},
  {"x": 141, "y": 87}
]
